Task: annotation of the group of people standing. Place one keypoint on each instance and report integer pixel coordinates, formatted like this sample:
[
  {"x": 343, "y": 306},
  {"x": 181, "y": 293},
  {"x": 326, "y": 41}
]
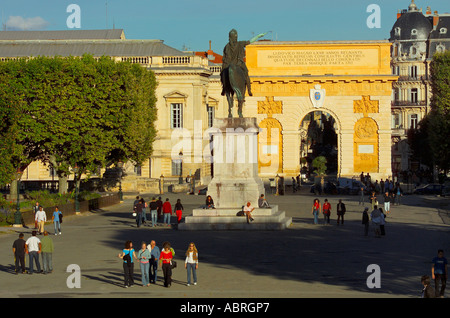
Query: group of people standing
[
  {"x": 159, "y": 211},
  {"x": 150, "y": 258},
  {"x": 33, "y": 247},
  {"x": 325, "y": 209}
]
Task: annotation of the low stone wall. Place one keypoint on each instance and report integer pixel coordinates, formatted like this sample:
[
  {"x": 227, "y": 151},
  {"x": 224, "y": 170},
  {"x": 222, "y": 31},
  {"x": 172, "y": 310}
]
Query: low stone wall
[{"x": 69, "y": 209}]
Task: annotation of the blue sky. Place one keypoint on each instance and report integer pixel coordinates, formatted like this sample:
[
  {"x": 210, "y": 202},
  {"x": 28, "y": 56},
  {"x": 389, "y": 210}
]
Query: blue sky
[{"x": 192, "y": 23}]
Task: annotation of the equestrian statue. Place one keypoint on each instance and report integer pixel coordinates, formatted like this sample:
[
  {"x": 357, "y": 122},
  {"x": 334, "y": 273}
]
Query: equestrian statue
[{"x": 234, "y": 75}]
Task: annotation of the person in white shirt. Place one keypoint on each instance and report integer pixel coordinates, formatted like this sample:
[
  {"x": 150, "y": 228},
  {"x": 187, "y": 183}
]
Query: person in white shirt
[
  {"x": 191, "y": 263},
  {"x": 248, "y": 209},
  {"x": 33, "y": 249},
  {"x": 41, "y": 218}
]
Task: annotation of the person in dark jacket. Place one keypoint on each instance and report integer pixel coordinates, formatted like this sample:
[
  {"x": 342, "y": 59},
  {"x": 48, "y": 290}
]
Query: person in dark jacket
[
  {"x": 365, "y": 221},
  {"x": 427, "y": 291},
  {"x": 340, "y": 210},
  {"x": 153, "y": 206}
]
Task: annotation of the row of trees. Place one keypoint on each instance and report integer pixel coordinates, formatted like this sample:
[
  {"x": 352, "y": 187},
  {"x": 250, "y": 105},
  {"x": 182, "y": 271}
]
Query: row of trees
[
  {"x": 430, "y": 142},
  {"x": 74, "y": 112}
]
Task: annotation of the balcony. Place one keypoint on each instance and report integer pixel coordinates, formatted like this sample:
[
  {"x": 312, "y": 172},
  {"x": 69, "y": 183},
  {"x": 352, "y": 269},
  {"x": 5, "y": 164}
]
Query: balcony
[
  {"x": 408, "y": 103},
  {"x": 408, "y": 78}
]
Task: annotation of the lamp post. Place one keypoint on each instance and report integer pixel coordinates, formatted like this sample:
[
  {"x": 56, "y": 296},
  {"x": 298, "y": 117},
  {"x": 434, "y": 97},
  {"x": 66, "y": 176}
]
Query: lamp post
[
  {"x": 161, "y": 184},
  {"x": 18, "y": 214},
  {"x": 77, "y": 203},
  {"x": 120, "y": 166},
  {"x": 180, "y": 178}
]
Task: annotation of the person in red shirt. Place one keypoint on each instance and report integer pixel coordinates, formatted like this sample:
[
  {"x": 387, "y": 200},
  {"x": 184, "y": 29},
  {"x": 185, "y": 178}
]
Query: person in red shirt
[
  {"x": 326, "y": 209},
  {"x": 165, "y": 258},
  {"x": 167, "y": 211},
  {"x": 316, "y": 209}
]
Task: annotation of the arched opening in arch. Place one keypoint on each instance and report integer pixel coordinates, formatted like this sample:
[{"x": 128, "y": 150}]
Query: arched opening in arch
[{"x": 318, "y": 133}]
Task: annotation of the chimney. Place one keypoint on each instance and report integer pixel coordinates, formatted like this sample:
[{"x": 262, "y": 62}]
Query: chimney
[
  {"x": 398, "y": 14},
  {"x": 435, "y": 20},
  {"x": 428, "y": 11}
]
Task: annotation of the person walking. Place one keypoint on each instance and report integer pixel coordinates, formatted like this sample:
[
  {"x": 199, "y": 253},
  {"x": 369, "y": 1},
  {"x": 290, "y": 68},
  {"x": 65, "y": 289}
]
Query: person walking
[
  {"x": 56, "y": 218},
  {"x": 167, "y": 211},
  {"x": 165, "y": 258},
  {"x": 33, "y": 248},
  {"x": 373, "y": 199},
  {"x": 439, "y": 272},
  {"x": 144, "y": 257},
  {"x": 340, "y": 210},
  {"x": 365, "y": 221},
  {"x": 316, "y": 209},
  {"x": 191, "y": 263},
  {"x": 387, "y": 202},
  {"x": 398, "y": 194},
  {"x": 144, "y": 211},
  {"x": 154, "y": 211},
  {"x": 382, "y": 222},
  {"x": 361, "y": 196},
  {"x": 155, "y": 253},
  {"x": 160, "y": 205},
  {"x": 138, "y": 209},
  {"x": 41, "y": 218},
  {"x": 376, "y": 220},
  {"x": 36, "y": 210},
  {"x": 326, "y": 210},
  {"x": 127, "y": 256},
  {"x": 178, "y": 209},
  {"x": 18, "y": 248},
  {"x": 47, "y": 253}
]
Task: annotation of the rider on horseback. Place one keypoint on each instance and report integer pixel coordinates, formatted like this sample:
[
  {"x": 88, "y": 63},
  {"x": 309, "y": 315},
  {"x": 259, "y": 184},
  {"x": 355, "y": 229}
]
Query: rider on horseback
[{"x": 234, "y": 54}]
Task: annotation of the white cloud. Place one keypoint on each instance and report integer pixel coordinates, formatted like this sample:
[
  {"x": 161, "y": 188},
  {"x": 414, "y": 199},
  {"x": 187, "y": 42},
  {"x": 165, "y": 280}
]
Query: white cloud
[{"x": 21, "y": 23}]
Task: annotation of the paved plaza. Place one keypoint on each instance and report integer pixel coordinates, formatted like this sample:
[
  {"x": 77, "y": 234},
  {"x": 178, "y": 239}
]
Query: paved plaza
[{"x": 304, "y": 261}]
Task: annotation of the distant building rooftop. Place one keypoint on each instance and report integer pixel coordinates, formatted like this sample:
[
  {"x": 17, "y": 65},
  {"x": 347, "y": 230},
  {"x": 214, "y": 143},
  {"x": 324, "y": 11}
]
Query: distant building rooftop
[{"x": 112, "y": 34}]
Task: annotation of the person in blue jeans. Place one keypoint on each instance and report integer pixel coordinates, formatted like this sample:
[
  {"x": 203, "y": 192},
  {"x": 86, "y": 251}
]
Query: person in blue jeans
[
  {"x": 153, "y": 206},
  {"x": 439, "y": 272},
  {"x": 155, "y": 253},
  {"x": 191, "y": 263},
  {"x": 144, "y": 257},
  {"x": 56, "y": 218},
  {"x": 316, "y": 209},
  {"x": 33, "y": 248}
]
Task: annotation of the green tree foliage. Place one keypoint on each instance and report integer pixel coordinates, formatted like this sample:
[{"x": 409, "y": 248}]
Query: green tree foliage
[
  {"x": 77, "y": 111},
  {"x": 320, "y": 163},
  {"x": 439, "y": 117}
]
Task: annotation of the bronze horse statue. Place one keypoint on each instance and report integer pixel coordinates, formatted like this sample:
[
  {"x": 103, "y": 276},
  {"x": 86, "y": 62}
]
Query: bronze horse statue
[{"x": 234, "y": 83}]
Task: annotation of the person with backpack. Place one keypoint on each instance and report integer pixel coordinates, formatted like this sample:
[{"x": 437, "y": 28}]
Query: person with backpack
[
  {"x": 127, "y": 256},
  {"x": 178, "y": 209}
]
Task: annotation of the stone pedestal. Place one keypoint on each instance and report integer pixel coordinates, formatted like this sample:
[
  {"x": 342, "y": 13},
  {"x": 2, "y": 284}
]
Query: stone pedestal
[
  {"x": 236, "y": 179},
  {"x": 235, "y": 182}
]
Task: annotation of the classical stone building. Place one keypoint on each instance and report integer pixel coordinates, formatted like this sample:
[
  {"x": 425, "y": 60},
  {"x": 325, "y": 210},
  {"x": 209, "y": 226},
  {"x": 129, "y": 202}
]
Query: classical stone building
[
  {"x": 183, "y": 101},
  {"x": 415, "y": 37}
]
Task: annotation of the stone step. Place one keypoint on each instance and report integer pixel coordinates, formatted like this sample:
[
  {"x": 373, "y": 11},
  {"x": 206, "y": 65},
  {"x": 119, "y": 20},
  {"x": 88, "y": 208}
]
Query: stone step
[
  {"x": 276, "y": 217},
  {"x": 232, "y": 212},
  {"x": 242, "y": 226}
]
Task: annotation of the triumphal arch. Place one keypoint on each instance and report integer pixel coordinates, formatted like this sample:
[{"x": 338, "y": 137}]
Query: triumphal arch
[{"x": 345, "y": 83}]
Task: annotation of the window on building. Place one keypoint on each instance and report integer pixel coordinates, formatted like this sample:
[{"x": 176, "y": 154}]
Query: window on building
[
  {"x": 210, "y": 111},
  {"x": 398, "y": 31},
  {"x": 414, "y": 95},
  {"x": 443, "y": 31},
  {"x": 176, "y": 115},
  {"x": 396, "y": 121},
  {"x": 138, "y": 170},
  {"x": 51, "y": 171},
  {"x": 177, "y": 167},
  {"x": 413, "y": 71},
  {"x": 413, "y": 121},
  {"x": 414, "y": 32}
]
